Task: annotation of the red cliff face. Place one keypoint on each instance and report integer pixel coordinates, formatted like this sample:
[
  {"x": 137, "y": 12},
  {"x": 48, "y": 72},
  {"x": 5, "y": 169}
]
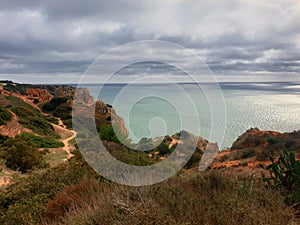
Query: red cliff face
[
  {"x": 106, "y": 114},
  {"x": 41, "y": 95}
]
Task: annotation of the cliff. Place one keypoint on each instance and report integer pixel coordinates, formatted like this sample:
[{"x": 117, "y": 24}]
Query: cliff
[{"x": 53, "y": 100}]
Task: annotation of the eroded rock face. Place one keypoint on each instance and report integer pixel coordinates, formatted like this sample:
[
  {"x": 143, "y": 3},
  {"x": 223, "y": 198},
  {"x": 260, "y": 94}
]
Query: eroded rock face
[
  {"x": 41, "y": 95},
  {"x": 105, "y": 114}
]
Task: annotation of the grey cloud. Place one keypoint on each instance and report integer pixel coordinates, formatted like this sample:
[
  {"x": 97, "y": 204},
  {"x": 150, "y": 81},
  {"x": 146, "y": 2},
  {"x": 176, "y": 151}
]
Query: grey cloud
[{"x": 232, "y": 36}]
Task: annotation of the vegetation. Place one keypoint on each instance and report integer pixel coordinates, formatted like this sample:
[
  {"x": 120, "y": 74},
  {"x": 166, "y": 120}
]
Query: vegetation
[
  {"x": 43, "y": 142},
  {"x": 109, "y": 133},
  {"x": 21, "y": 154},
  {"x": 23, "y": 201},
  {"x": 30, "y": 117},
  {"x": 285, "y": 175},
  {"x": 33, "y": 121},
  {"x": 53, "y": 104},
  {"x": 240, "y": 154},
  {"x": 59, "y": 107},
  {"x": 132, "y": 157},
  {"x": 272, "y": 140},
  {"x": 211, "y": 197},
  {"x": 3, "y": 139},
  {"x": 74, "y": 194},
  {"x": 195, "y": 159},
  {"x": 15, "y": 87},
  {"x": 5, "y": 116}
]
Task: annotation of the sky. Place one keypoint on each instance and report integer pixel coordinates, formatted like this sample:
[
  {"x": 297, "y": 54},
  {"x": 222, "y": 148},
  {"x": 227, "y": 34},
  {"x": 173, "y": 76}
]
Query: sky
[{"x": 56, "y": 41}]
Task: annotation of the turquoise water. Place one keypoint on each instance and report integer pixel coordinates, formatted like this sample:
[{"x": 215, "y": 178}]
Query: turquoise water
[{"x": 151, "y": 110}]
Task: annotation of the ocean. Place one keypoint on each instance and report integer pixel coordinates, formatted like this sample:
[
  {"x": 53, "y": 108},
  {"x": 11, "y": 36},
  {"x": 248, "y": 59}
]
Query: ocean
[{"x": 151, "y": 110}]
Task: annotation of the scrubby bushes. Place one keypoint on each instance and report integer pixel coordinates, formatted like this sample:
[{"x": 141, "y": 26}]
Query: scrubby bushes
[
  {"x": 53, "y": 104},
  {"x": 73, "y": 193},
  {"x": 24, "y": 201},
  {"x": 21, "y": 154},
  {"x": 109, "y": 133},
  {"x": 33, "y": 121},
  {"x": 195, "y": 159},
  {"x": 43, "y": 142},
  {"x": 272, "y": 140},
  {"x": 5, "y": 116},
  {"x": 61, "y": 108},
  {"x": 207, "y": 198}
]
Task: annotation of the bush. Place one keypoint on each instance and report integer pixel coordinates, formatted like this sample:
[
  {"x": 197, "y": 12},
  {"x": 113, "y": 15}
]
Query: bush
[
  {"x": 5, "y": 116},
  {"x": 247, "y": 153},
  {"x": 163, "y": 149},
  {"x": 53, "y": 104},
  {"x": 43, "y": 142},
  {"x": 194, "y": 160},
  {"x": 289, "y": 143},
  {"x": 3, "y": 138},
  {"x": 109, "y": 133},
  {"x": 272, "y": 140},
  {"x": 21, "y": 154}
]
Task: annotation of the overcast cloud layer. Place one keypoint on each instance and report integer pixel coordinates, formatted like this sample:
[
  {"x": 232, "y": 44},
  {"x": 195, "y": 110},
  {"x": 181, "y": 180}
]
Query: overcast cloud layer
[{"x": 55, "y": 41}]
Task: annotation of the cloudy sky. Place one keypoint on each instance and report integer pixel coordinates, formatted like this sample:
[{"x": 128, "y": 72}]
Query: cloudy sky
[{"x": 55, "y": 41}]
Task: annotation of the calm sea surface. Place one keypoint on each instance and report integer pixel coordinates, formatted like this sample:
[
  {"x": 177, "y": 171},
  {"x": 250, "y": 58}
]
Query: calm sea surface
[{"x": 151, "y": 110}]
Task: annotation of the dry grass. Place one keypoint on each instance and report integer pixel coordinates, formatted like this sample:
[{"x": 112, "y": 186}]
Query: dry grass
[
  {"x": 209, "y": 198},
  {"x": 55, "y": 157}
]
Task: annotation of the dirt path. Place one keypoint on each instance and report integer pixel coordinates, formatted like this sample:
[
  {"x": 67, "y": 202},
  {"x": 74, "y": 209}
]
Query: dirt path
[{"x": 66, "y": 136}]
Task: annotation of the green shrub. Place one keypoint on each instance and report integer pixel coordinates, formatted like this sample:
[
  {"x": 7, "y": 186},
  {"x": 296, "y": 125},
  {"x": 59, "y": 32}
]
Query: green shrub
[
  {"x": 53, "y": 104},
  {"x": 163, "y": 149},
  {"x": 109, "y": 133},
  {"x": 43, "y": 142},
  {"x": 272, "y": 140},
  {"x": 3, "y": 138},
  {"x": 5, "y": 116},
  {"x": 21, "y": 154}
]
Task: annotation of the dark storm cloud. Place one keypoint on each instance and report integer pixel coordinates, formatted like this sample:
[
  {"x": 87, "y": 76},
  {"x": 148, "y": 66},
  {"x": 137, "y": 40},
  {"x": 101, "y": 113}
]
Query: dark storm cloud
[{"x": 232, "y": 36}]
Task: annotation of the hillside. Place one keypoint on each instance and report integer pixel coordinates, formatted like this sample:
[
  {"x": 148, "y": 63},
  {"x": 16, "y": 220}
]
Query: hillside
[
  {"x": 42, "y": 114},
  {"x": 45, "y": 180}
]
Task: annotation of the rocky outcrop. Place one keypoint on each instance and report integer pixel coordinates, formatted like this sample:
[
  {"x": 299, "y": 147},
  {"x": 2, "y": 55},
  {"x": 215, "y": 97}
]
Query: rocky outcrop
[
  {"x": 255, "y": 138},
  {"x": 41, "y": 95}
]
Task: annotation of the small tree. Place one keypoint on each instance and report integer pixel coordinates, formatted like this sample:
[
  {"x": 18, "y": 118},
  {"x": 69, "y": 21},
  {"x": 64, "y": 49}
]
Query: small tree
[{"x": 21, "y": 154}]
